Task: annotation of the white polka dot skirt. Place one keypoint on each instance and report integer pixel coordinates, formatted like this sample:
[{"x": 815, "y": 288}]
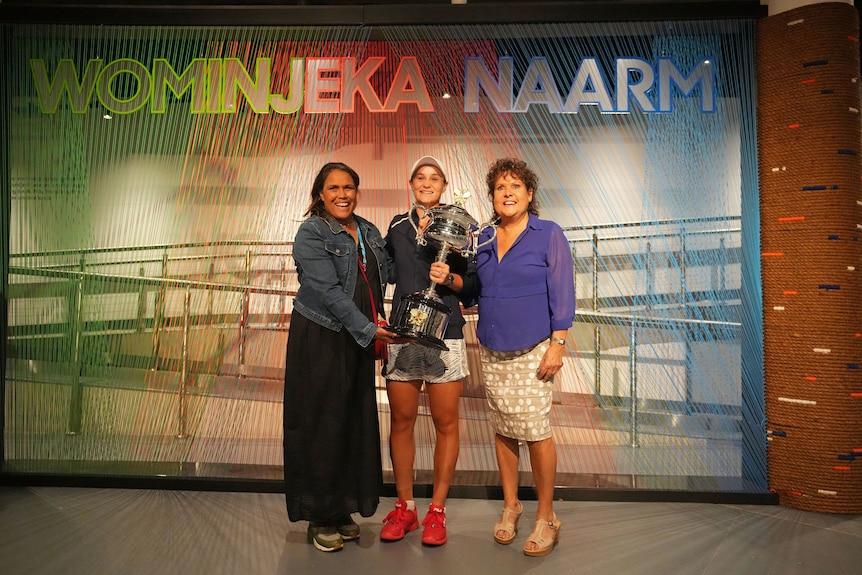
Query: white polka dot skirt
[{"x": 520, "y": 404}]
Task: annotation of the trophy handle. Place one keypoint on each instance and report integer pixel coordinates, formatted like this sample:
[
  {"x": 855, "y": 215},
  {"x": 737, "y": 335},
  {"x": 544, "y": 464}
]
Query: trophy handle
[
  {"x": 420, "y": 237},
  {"x": 491, "y": 224}
]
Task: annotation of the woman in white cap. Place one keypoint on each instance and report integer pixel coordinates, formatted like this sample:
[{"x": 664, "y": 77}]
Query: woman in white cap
[{"x": 412, "y": 366}]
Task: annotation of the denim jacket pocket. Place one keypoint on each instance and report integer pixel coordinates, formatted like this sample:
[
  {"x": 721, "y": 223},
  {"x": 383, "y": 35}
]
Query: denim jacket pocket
[{"x": 336, "y": 248}]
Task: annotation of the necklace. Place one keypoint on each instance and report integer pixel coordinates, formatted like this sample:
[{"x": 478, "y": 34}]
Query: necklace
[{"x": 349, "y": 225}]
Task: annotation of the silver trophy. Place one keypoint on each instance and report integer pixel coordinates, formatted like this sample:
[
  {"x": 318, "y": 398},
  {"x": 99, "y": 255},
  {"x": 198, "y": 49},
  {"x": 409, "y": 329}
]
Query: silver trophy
[{"x": 423, "y": 316}]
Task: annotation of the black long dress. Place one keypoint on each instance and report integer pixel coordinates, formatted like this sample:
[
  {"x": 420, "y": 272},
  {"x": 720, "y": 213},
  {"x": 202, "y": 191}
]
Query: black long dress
[{"x": 332, "y": 460}]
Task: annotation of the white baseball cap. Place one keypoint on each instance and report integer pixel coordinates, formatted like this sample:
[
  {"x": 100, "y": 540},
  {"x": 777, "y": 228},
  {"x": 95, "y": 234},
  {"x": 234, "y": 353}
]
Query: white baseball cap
[{"x": 428, "y": 161}]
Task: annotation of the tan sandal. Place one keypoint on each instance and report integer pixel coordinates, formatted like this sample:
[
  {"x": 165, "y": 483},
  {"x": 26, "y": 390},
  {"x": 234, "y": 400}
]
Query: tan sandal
[
  {"x": 544, "y": 535},
  {"x": 508, "y": 524}
]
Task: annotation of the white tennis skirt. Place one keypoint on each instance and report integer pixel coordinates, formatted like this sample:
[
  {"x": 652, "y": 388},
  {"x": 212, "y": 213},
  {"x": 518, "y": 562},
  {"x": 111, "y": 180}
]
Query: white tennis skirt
[{"x": 415, "y": 362}]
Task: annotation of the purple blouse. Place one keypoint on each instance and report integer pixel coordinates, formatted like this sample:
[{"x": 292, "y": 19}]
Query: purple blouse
[{"x": 530, "y": 293}]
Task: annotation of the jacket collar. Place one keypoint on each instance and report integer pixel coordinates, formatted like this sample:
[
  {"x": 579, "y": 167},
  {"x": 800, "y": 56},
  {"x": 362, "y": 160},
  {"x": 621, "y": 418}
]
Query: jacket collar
[{"x": 336, "y": 227}]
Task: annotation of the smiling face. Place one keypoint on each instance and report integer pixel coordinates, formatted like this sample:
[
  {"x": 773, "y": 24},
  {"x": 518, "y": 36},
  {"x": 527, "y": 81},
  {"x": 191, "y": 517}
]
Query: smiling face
[
  {"x": 511, "y": 197},
  {"x": 428, "y": 185},
  {"x": 339, "y": 195}
]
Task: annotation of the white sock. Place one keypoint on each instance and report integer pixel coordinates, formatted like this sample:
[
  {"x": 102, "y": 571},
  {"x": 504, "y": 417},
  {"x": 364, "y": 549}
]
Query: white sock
[{"x": 411, "y": 505}]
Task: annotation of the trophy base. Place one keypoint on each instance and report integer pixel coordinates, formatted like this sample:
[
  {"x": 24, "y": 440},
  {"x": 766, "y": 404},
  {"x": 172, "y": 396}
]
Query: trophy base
[
  {"x": 423, "y": 317},
  {"x": 419, "y": 337}
]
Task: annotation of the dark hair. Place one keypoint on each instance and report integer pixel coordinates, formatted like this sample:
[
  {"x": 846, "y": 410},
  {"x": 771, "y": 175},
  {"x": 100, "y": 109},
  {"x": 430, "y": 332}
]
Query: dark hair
[
  {"x": 518, "y": 169},
  {"x": 316, "y": 205}
]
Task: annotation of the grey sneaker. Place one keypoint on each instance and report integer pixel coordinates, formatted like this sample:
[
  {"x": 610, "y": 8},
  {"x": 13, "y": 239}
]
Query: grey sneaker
[
  {"x": 325, "y": 538},
  {"x": 348, "y": 528}
]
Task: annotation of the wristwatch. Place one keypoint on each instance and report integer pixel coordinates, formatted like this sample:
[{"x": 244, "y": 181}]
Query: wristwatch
[
  {"x": 558, "y": 340},
  {"x": 450, "y": 280}
]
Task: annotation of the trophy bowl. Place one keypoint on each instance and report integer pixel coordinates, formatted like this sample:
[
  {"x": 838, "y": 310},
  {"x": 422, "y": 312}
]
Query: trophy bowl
[
  {"x": 422, "y": 316},
  {"x": 451, "y": 226}
]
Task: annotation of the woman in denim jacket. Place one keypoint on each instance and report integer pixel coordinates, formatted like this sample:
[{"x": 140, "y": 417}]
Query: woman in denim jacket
[{"x": 332, "y": 464}]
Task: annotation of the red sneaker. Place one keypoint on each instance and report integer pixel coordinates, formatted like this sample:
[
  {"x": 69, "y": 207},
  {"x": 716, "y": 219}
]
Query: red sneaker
[
  {"x": 435, "y": 526},
  {"x": 399, "y": 521}
]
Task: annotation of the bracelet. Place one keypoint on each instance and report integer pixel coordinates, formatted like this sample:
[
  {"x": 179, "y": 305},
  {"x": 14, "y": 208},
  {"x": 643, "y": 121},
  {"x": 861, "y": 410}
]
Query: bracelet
[{"x": 558, "y": 340}]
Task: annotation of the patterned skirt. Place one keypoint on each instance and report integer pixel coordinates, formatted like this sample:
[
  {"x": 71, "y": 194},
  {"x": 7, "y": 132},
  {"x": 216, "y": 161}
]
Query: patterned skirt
[
  {"x": 520, "y": 404},
  {"x": 415, "y": 362}
]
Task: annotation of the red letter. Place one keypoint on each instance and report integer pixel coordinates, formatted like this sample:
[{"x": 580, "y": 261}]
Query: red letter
[
  {"x": 360, "y": 81},
  {"x": 408, "y": 87},
  {"x": 316, "y": 85}
]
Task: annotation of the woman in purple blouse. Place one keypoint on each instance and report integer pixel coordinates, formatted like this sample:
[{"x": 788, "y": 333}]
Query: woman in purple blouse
[{"x": 526, "y": 297}]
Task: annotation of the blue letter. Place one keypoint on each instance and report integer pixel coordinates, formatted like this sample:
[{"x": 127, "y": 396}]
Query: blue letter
[
  {"x": 702, "y": 73},
  {"x": 476, "y": 75}
]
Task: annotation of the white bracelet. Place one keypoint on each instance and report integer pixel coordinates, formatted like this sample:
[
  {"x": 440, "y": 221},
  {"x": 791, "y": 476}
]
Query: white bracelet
[{"x": 558, "y": 340}]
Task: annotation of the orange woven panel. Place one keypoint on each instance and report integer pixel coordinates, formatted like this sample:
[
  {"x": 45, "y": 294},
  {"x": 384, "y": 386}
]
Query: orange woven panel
[
  {"x": 809, "y": 134},
  {"x": 813, "y": 473}
]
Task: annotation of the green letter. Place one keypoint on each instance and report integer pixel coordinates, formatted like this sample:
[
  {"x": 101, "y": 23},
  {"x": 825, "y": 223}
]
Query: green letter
[
  {"x": 164, "y": 77},
  {"x": 65, "y": 78}
]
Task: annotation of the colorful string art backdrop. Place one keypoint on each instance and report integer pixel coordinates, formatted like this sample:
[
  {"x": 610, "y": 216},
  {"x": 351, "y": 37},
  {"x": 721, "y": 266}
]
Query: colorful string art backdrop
[{"x": 160, "y": 174}]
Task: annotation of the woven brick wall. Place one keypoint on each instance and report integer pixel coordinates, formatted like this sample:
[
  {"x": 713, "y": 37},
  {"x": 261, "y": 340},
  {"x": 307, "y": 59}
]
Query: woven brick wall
[{"x": 809, "y": 133}]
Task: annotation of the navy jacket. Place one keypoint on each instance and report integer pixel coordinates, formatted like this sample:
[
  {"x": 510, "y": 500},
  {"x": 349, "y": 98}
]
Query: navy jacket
[{"x": 413, "y": 264}]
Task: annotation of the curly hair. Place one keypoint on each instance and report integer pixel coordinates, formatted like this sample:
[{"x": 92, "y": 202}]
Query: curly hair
[
  {"x": 517, "y": 169},
  {"x": 316, "y": 206}
]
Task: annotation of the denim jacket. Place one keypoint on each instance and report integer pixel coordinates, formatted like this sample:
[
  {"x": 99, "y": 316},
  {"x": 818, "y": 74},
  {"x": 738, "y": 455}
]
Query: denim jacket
[{"x": 327, "y": 262}]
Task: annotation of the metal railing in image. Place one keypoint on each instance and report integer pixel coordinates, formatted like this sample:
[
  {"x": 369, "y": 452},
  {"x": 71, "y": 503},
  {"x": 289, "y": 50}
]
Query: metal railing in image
[{"x": 79, "y": 279}]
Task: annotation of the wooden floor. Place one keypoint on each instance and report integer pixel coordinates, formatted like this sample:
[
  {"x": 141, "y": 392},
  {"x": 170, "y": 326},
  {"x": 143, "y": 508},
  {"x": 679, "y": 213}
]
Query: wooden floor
[{"x": 88, "y": 531}]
